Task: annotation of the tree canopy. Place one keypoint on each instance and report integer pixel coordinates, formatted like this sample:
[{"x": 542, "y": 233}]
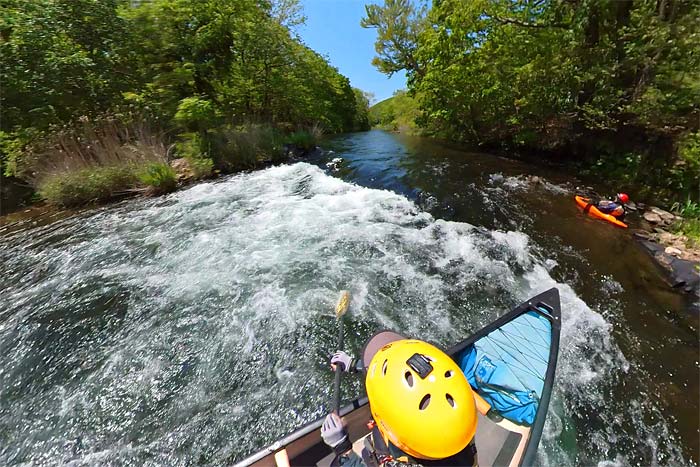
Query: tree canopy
[
  {"x": 187, "y": 65},
  {"x": 549, "y": 74}
]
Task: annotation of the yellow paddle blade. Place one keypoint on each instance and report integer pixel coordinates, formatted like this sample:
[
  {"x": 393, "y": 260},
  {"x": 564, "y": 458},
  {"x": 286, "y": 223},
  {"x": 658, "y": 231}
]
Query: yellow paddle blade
[{"x": 343, "y": 302}]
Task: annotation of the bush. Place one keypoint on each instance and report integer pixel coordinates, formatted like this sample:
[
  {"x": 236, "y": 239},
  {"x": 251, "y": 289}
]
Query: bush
[
  {"x": 159, "y": 176},
  {"x": 96, "y": 161},
  {"x": 690, "y": 227},
  {"x": 195, "y": 113},
  {"x": 192, "y": 147},
  {"x": 12, "y": 150},
  {"x": 690, "y": 224},
  {"x": 397, "y": 113},
  {"x": 87, "y": 185},
  {"x": 302, "y": 139},
  {"x": 102, "y": 143},
  {"x": 685, "y": 172},
  {"x": 690, "y": 209},
  {"x": 244, "y": 147},
  {"x": 305, "y": 139},
  {"x": 201, "y": 166}
]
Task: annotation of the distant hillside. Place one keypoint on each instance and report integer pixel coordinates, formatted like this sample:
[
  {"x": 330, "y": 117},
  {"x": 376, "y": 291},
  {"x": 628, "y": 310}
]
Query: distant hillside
[{"x": 397, "y": 113}]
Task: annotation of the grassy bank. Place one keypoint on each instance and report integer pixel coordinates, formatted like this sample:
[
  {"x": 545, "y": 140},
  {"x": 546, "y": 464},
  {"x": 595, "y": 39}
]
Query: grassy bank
[
  {"x": 102, "y": 160},
  {"x": 228, "y": 92},
  {"x": 96, "y": 160},
  {"x": 689, "y": 225}
]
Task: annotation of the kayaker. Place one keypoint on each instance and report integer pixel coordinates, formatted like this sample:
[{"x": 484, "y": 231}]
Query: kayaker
[
  {"x": 422, "y": 406},
  {"x": 614, "y": 208}
]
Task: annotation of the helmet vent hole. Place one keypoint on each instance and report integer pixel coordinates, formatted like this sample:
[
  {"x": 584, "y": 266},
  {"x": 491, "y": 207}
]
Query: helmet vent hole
[
  {"x": 424, "y": 402},
  {"x": 409, "y": 378},
  {"x": 384, "y": 365},
  {"x": 448, "y": 374},
  {"x": 450, "y": 400}
]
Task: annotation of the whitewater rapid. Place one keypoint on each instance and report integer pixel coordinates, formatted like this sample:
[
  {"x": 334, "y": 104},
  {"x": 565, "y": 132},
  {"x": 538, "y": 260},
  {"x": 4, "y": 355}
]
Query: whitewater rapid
[{"x": 196, "y": 327}]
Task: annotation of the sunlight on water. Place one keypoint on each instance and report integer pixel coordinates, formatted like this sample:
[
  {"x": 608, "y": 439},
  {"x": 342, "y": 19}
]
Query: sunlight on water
[{"x": 195, "y": 328}]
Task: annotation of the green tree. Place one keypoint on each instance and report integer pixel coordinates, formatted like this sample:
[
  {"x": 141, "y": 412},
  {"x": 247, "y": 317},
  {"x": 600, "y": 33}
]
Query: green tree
[
  {"x": 361, "y": 114},
  {"x": 598, "y": 79},
  {"x": 60, "y": 59},
  {"x": 200, "y": 70},
  {"x": 399, "y": 24}
]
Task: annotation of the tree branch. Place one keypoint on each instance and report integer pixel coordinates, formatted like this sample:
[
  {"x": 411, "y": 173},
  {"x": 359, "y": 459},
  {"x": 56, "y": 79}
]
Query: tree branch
[{"x": 526, "y": 24}]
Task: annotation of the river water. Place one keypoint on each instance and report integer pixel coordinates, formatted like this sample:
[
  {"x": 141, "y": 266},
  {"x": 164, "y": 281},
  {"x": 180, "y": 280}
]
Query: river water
[{"x": 195, "y": 328}]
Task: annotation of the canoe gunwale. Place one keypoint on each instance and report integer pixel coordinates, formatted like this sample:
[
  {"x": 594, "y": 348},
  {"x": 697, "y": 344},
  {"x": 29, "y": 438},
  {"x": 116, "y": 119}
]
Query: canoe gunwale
[
  {"x": 298, "y": 434},
  {"x": 549, "y": 300}
]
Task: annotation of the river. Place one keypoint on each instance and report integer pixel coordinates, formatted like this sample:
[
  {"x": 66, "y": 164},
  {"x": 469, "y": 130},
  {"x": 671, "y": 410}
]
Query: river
[{"x": 196, "y": 327}]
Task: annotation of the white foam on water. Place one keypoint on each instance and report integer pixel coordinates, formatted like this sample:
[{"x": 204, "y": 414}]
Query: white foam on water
[
  {"x": 517, "y": 183},
  {"x": 524, "y": 182},
  {"x": 196, "y": 327}
]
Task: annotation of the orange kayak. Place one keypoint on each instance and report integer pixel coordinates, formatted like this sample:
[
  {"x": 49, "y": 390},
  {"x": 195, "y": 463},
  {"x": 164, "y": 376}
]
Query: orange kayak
[{"x": 594, "y": 212}]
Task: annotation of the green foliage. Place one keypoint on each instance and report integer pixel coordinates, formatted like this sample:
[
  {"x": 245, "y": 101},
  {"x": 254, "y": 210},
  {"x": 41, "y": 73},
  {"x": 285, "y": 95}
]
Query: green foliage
[
  {"x": 12, "y": 149},
  {"x": 554, "y": 75},
  {"x": 685, "y": 171},
  {"x": 61, "y": 59},
  {"x": 86, "y": 185},
  {"x": 194, "y": 113},
  {"x": 209, "y": 68},
  {"x": 95, "y": 161},
  {"x": 622, "y": 168},
  {"x": 159, "y": 176},
  {"x": 398, "y": 113},
  {"x": 202, "y": 167},
  {"x": 690, "y": 227},
  {"x": 689, "y": 209},
  {"x": 103, "y": 142},
  {"x": 193, "y": 147},
  {"x": 236, "y": 60},
  {"x": 399, "y": 24},
  {"x": 302, "y": 139},
  {"x": 244, "y": 146},
  {"x": 361, "y": 119}
]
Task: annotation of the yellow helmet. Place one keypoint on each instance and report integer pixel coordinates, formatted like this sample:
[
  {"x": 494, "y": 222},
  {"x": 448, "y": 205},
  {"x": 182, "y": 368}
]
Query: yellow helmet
[{"x": 420, "y": 399}]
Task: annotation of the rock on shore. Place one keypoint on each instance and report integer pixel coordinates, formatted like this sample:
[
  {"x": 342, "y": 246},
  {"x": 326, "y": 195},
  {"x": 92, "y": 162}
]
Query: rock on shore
[{"x": 673, "y": 252}]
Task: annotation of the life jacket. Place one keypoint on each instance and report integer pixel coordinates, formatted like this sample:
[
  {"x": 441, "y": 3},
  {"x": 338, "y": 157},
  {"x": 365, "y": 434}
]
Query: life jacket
[
  {"x": 378, "y": 452},
  {"x": 611, "y": 207}
]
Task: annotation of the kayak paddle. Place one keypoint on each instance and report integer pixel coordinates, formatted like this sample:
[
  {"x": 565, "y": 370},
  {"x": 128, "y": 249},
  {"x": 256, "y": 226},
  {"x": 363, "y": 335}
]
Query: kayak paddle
[{"x": 340, "y": 309}]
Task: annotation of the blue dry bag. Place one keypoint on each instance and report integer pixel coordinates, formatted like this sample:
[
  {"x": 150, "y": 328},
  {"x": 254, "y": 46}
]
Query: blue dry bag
[{"x": 507, "y": 367}]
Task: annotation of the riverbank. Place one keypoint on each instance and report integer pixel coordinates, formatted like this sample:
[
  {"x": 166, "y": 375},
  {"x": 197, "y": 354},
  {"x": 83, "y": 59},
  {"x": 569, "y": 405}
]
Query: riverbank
[
  {"x": 107, "y": 160},
  {"x": 662, "y": 233},
  {"x": 669, "y": 238},
  {"x": 38, "y": 213},
  {"x": 675, "y": 253},
  {"x": 102, "y": 115}
]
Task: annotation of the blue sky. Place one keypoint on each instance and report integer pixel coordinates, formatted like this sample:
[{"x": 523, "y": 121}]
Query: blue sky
[{"x": 333, "y": 29}]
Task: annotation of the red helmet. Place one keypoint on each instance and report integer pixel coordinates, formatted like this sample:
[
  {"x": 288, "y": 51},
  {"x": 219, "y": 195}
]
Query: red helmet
[{"x": 623, "y": 197}]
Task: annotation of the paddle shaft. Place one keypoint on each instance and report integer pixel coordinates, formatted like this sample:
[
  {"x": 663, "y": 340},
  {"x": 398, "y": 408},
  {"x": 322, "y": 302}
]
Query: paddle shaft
[
  {"x": 338, "y": 371},
  {"x": 340, "y": 309}
]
